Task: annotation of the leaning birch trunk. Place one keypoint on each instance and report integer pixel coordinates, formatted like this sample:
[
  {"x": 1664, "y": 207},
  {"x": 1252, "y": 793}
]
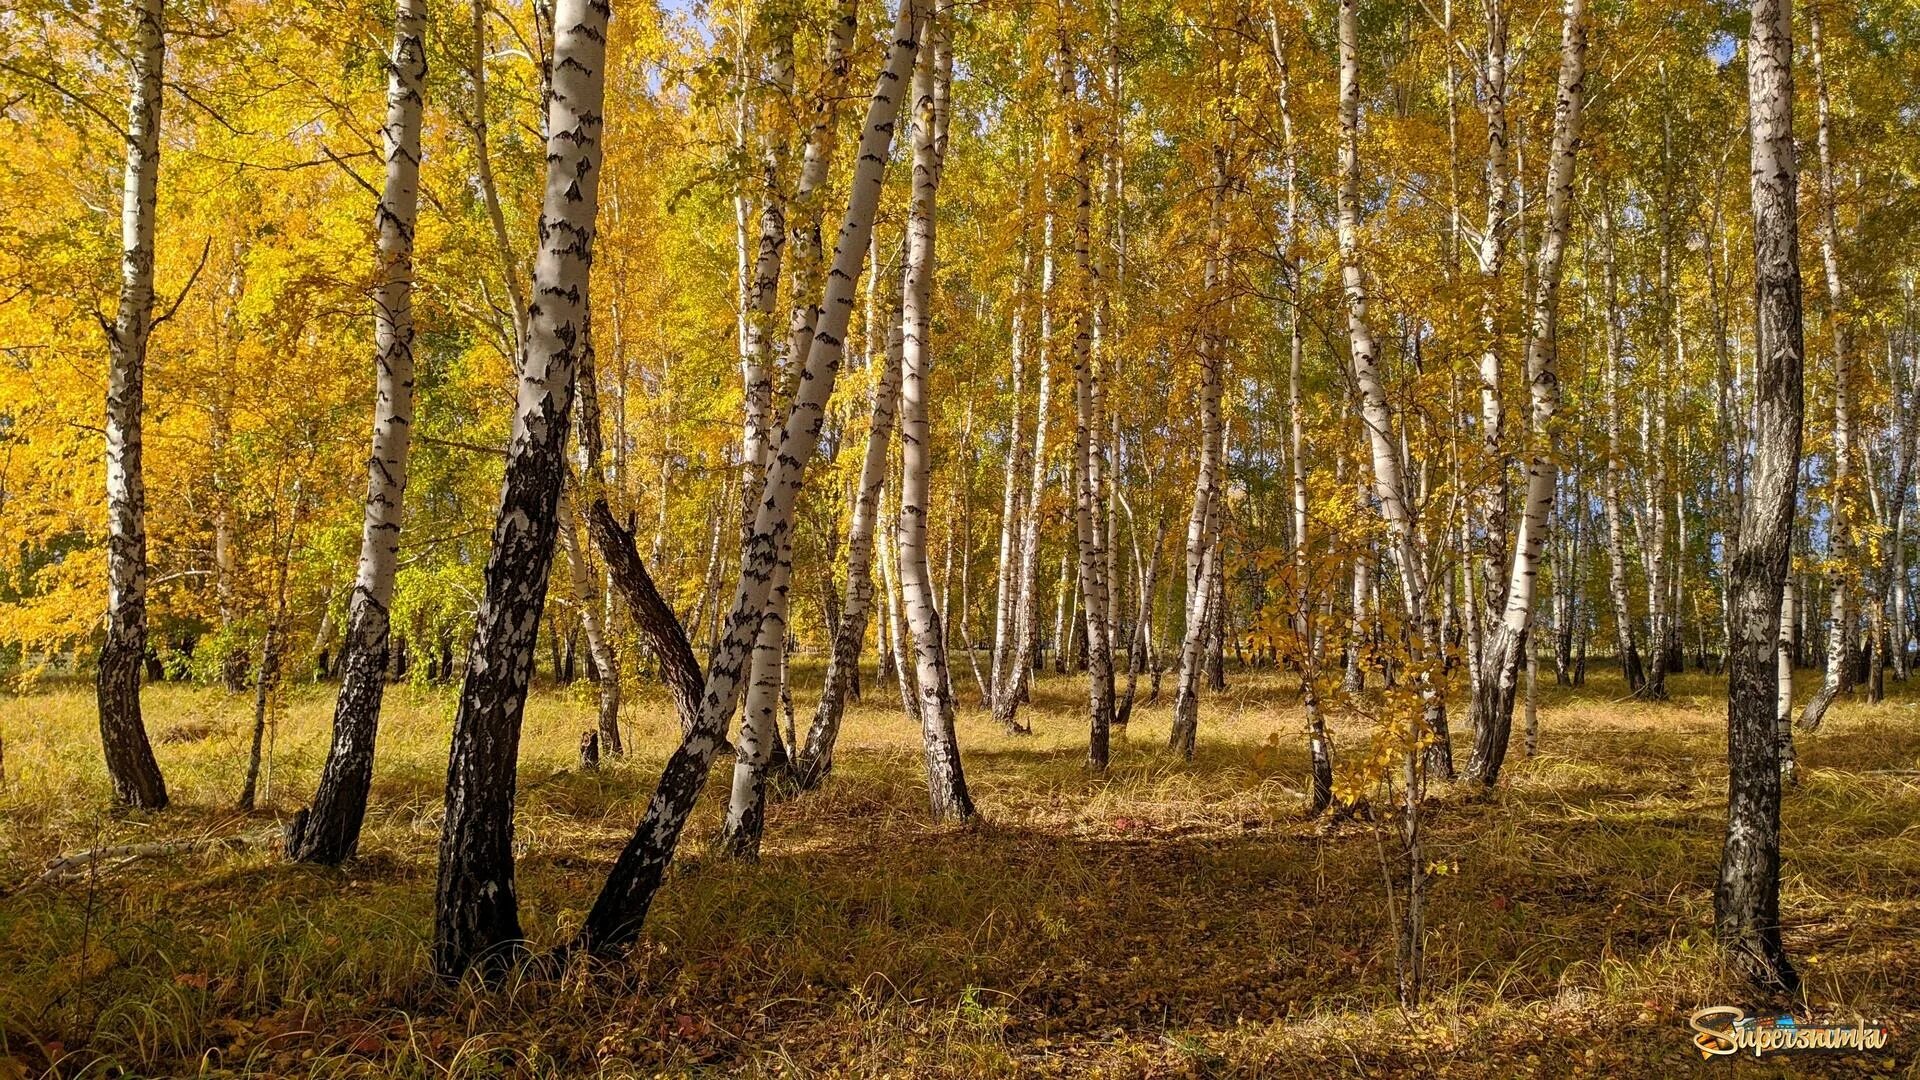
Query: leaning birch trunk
[
  {"x": 655, "y": 620},
  {"x": 765, "y": 670},
  {"x": 946, "y": 779},
  {"x": 1088, "y": 473},
  {"x": 1840, "y": 570},
  {"x": 763, "y": 288},
  {"x": 1746, "y": 898},
  {"x": 328, "y": 831},
  {"x": 759, "y": 739},
  {"x": 476, "y": 912},
  {"x": 804, "y": 243},
  {"x": 815, "y": 758},
  {"x": 123, "y": 734},
  {"x": 1202, "y": 520},
  {"x": 760, "y": 746},
  {"x": 587, "y": 585},
  {"x": 1377, "y": 417},
  {"x": 621, "y": 907},
  {"x": 1507, "y": 646}
]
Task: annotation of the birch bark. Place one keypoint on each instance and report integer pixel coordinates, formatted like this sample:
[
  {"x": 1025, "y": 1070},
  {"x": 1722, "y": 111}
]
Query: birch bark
[
  {"x": 1746, "y": 898},
  {"x": 1841, "y": 616},
  {"x": 815, "y": 758},
  {"x": 123, "y": 734},
  {"x": 476, "y": 912},
  {"x": 1088, "y": 470},
  {"x": 1507, "y": 645},
  {"x": 328, "y": 831},
  {"x": 1026, "y": 608},
  {"x": 946, "y": 779},
  {"x": 1203, "y": 518}
]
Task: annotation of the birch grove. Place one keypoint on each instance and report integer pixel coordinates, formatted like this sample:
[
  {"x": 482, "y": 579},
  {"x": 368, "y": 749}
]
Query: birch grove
[{"x": 1144, "y": 425}]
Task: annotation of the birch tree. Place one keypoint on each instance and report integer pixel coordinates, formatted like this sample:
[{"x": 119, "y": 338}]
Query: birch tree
[
  {"x": 1011, "y": 504},
  {"x": 1506, "y": 645},
  {"x": 1746, "y": 898},
  {"x": 1841, "y": 615},
  {"x": 476, "y": 916},
  {"x": 1319, "y": 745},
  {"x": 123, "y": 733},
  {"x": 1088, "y": 454},
  {"x": 1492, "y": 255},
  {"x": 1203, "y": 521},
  {"x": 328, "y": 830},
  {"x": 815, "y": 757},
  {"x": 1626, "y": 645},
  {"x": 1395, "y": 508},
  {"x": 621, "y": 907},
  {"x": 946, "y": 779},
  {"x": 1026, "y": 610}
]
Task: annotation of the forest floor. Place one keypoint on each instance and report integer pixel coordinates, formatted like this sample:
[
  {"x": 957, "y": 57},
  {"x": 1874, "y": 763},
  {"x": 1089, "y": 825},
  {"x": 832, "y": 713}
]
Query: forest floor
[{"x": 1170, "y": 919}]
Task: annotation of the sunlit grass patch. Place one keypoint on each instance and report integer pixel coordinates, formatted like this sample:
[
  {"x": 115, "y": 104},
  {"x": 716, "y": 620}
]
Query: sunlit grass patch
[{"x": 1168, "y": 918}]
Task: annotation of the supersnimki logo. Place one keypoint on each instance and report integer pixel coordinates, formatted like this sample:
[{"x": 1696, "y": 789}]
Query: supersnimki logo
[{"x": 1724, "y": 1030}]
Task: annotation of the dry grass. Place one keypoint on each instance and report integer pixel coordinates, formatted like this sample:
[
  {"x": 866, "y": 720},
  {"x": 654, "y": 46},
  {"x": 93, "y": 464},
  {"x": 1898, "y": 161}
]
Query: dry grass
[{"x": 1170, "y": 919}]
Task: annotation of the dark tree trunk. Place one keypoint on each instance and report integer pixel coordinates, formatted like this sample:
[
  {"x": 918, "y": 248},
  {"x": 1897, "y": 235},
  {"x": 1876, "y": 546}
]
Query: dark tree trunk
[
  {"x": 328, "y": 830},
  {"x": 1501, "y": 659},
  {"x": 655, "y": 619}
]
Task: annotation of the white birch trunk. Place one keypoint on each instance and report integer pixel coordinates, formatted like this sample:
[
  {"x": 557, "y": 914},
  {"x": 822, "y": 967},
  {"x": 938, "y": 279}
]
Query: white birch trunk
[
  {"x": 816, "y": 756},
  {"x": 1026, "y": 610},
  {"x": 1377, "y": 418},
  {"x": 1840, "y": 569},
  {"x": 1626, "y": 647},
  {"x": 946, "y": 780},
  {"x": 123, "y": 734},
  {"x": 1203, "y": 519},
  {"x": 1492, "y": 258},
  {"x": 1507, "y": 644},
  {"x": 1746, "y": 898},
  {"x": 329, "y": 830},
  {"x": 1007, "y": 572},
  {"x": 476, "y": 911}
]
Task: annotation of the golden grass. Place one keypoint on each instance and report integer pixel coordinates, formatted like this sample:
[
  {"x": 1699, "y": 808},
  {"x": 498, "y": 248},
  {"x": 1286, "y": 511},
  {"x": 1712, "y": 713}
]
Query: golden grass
[{"x": 1169, "y": 919}]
